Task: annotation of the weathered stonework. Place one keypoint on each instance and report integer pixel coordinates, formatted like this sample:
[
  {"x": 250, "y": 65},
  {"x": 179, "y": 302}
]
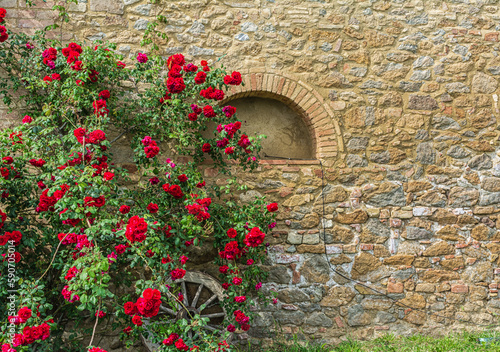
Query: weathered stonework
[{"x": 401, "y": 102}]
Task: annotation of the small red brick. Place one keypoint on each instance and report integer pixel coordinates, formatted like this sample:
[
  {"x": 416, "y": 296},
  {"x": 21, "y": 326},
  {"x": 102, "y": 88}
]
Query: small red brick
[
  {"x": 459, "y": 288},
  {"x": 396, "y": 287},
  {"x": 491, "y": 37},
  {"x": 339, "y": 322},
  {"x": 471, "y": 261}
]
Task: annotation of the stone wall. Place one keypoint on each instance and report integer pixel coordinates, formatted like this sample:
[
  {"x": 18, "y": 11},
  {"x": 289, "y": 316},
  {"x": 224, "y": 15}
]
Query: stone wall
[{"x": 400, "y": 99}]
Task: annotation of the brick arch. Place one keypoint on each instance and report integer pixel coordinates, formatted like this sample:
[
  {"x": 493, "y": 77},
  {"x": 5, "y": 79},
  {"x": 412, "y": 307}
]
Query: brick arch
[{"x": 300, "y": 97}]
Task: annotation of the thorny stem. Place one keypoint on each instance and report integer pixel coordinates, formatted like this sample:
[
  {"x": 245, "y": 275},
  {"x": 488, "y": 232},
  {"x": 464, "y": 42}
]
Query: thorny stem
[
  {"x": 96, "y": 320},
  {"x": 53, "y": 257}
]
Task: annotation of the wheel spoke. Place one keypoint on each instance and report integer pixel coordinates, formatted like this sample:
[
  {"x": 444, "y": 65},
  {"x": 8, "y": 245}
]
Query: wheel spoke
[
  {"x": 213, "y": 315},
  {"x": 197, "y": 296},
  {"x": 211, "y": 328},
  {"x": 210, "y": 300},
  {"x": 184, "y": 293},
  {"x": 167, "y": 310}
]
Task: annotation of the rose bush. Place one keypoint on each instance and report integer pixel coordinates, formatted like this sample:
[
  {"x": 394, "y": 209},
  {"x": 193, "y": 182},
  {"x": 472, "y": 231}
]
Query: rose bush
[{"x": 76, "y": 228}]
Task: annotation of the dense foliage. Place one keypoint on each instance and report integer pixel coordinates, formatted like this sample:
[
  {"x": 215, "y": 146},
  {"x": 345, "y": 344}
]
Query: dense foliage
[{"x": 76, "y": 229}]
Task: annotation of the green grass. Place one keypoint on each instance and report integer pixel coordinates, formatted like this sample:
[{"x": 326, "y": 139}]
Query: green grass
[{"x": 465, "y": 342}]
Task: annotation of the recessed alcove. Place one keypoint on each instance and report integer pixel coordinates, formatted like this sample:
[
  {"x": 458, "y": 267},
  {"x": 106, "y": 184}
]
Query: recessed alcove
[{"x": 288, "y": 136}]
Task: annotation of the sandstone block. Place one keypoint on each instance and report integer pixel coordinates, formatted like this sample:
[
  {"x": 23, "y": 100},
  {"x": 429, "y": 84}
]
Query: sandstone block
[
  {"x": 435, "y": 276},
  {"x": 356, "y": 217},
  {"x": 483, "y": 83},
  {"x": 400, "y": 259},
  {"x": 338, "y": 296},
  {"x": 363, "y": 264}
]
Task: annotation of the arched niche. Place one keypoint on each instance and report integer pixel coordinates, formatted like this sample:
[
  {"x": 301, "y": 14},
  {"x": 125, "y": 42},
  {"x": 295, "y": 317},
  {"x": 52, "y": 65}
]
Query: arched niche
[
  {"x": 288, "y": 135},
  {"x": 303, "y": 100}
]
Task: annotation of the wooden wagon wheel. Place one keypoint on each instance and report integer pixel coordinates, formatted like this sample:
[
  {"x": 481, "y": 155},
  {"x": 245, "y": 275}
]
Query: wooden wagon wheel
[{"x": 198, "y": 289}]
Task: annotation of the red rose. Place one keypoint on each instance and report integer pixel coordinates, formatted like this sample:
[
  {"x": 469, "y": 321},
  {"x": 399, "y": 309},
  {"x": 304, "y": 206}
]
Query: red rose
[
  {"x": 136, "y": 229},
  {"x": 3, "y": 34},
  {"x": 137, "y": 320},
  {"x": 175, "y": 85},
  {"x": 153, "y": 208},
  {"x": 130, "y": 308},
  {"x": 175, "y": 71},
  {"x": 229, "y": 150},
  {"x": 231, "y": 233},
  {"x": 24, "y": 314},
  {"x": 148, "y": 307},
  {"x": 229, "y": 110},
  {"x": 151, "y": 149},
  {"x": 142, "y": 58},
  {"x": 254, "y": 238},
  {"x": 180, "y": 345},
  {"x": 100, "y": 314},
  {"x": 104, "y": 94},
  {"x": 170, "y": 339},
  {"x": 3, "y": 12},
  {"x": 200, "y": 77},
  {"x": 177, "y": 59},
  {"x": 124, "y": 209},
  {"x": 182, "y": 178},
  {"x": 240, "y": 299},
  {"x": 15, "y": 236},
  {"x": 206, "y": 148},
  {"x": 272, "y": 207},
  {"x": 37, "y": 163},
  {"x": 120, "y": 249},
  {"x": 208, "y": 111},
  {"x": 177, "y": 274},
  {"x": 231, "y": 251},
  {"x": 108, "y": 176},
  {"x": 79, "y": 133},
  {"x": 192, "y": 116},
  {"x": 100, "y": 107},
  {"x": 176, "y": 191},
  {"x": 237, "y": 281},
  {"x": 96, "y": 136},
  {"x": 244, "y": 141},
  {"x": 190, "y": 67}
]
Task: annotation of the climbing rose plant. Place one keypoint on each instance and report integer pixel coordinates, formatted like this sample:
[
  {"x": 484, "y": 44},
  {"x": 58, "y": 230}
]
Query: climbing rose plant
[{"x": 76, "y": 229}]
